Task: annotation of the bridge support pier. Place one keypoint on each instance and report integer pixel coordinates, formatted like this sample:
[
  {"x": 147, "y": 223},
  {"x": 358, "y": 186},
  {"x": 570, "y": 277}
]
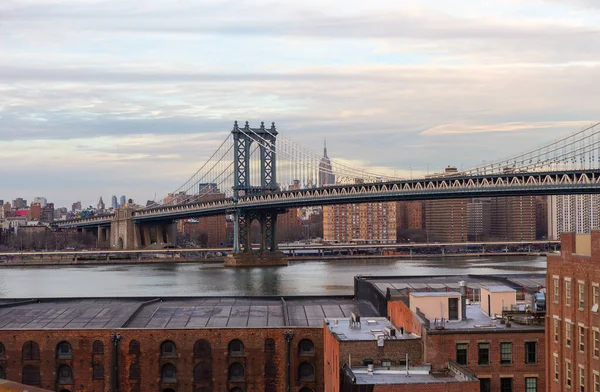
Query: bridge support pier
[{"x": 268, "y": 254}]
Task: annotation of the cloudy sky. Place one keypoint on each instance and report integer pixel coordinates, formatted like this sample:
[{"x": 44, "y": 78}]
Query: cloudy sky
[{"x": 129, "y": 97}]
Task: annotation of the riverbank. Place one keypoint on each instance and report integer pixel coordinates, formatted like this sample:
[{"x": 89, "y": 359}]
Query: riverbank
[{"x": 220, "y": 260}]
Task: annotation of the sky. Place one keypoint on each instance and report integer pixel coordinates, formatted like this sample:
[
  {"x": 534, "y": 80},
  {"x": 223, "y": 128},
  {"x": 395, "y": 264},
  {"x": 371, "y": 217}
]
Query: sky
[{"x": 130, "y": 97}]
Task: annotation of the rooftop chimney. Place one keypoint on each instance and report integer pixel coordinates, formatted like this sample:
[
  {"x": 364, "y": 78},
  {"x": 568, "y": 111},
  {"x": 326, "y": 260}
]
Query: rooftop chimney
[{"x": 463, "y": 298}]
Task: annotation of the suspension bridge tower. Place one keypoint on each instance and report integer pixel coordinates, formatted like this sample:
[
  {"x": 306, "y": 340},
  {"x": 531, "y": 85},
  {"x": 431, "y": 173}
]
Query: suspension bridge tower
[{"x": 247, "y": 140}]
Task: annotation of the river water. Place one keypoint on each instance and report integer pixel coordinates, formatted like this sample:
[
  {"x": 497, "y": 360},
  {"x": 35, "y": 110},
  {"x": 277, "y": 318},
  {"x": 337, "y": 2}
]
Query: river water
[{"x": 183, "y": 279}]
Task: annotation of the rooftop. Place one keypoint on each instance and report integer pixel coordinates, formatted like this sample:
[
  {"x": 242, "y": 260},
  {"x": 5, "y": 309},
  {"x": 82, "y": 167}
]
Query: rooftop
[
  {"x": 177, "y": 312},
  {"x": 435, "y": 294},
  {"x": 369, "y": 328},
  {"x": 416, "y": 375},
  {"x": 499, "y": 289},
  {"x": 478, "y": 320}
]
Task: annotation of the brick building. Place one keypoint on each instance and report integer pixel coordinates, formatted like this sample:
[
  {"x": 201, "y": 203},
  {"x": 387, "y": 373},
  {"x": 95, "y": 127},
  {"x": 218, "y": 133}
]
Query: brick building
[
  {"x": 230, "y": 344},
  {"x": 360, "y": 223},
  {"x": 573, "y": 322},
  {"x": 446, "y": 220},
  {"x": 513, "y": 218}
]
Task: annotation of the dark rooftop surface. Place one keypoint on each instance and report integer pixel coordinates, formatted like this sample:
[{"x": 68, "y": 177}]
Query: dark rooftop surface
[{"x": 176, "y": 313}]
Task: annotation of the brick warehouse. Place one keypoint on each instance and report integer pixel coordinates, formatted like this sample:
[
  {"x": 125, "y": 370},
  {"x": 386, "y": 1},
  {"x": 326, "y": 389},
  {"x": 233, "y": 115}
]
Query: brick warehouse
[
  {"x": 241, "y": 344},
  {"x": 573, "y": 322}
]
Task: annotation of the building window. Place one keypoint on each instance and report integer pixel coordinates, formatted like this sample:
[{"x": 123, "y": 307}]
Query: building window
[
  {"x": 168, "y": 373},
  {"x": 581, "y": 296},
  {"x": 2, "y": 373},
  {"x": 556, "y": 368},
  {"x": 568, "y": 373},
  {"x": 568, "y": 333},
  {"x": 556, "y": 290},
  {"x": 581, "y": 338},
  {"x": 306, "y": 372},
  {"x": 31, "y": 375},
  {"x": 31, "y": 351},
  {"x": 134, "y": 372},
  {"x": 505, "y": 353},
  {"x": 306, "y": 347},
  {"x": 269, "y": 345},
  {"x": 65, "y": 375},
  {"x": 567, "y": 293},
  {"x": 236, "y": 348},
  {"x": 483, "y": 353},
  {"x": 236, "y": 372},
  {"x": 596, "y": 344},
  {"x": 530, "y": 384},
  {"x": 270, "y": 370},
  {"x": 596, "y": 297},
  {"x": 202, "y": 372},
  {"x": 202, "y": 349},
  {"x": 98, "y": 347},
  {"x": 596, "y": 382},
  {"x": 63, "y": 351},
  {"x": 461, "y": 353},
  {"x": 581, "y": 379},
  {"x": 485, "y": 384},
  {"x": 2, "y": 351},
  {"x": 98, "y": 372},
  {"x": 506, "y": 385},
  {"x": 530, "y": 352},
  {"x": 556, "y": 327},
  {"x": 168, "y": 350},
  {"x": 134, "y": 347}
]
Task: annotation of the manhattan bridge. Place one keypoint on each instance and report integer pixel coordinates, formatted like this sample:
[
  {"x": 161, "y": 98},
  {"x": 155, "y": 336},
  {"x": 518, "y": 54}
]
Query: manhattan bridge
[{"x": 249, "y": 167}]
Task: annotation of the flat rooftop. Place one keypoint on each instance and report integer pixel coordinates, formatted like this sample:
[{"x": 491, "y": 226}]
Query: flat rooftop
[
  {"x": 477, "y": 320},
  {"x": 401, "y": 285},
  {"x": 416, "y": 375},
  {"x": 177, "y": 312},
  {"x": 368, "y": 329}
]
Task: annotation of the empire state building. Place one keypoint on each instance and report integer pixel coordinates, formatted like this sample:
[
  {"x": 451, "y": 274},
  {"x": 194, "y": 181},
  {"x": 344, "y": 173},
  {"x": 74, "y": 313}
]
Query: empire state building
[{"x": 326, "y": 176}]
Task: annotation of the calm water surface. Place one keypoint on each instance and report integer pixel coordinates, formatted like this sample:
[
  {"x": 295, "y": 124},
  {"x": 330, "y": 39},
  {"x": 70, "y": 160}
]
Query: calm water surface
[{"x": 310, "y": 278}]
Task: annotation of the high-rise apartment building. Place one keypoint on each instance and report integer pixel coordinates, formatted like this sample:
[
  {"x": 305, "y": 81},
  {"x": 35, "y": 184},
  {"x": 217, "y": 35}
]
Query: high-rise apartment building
[
  {"x": 35, "y": 211},
  {"x": 479, "y": 219},
  {"x": 410, "y": 215},
  {"x": 573, "y": 213},
  {"x": 76, "y": 206},
  {"x": 19, "y": 203},
  {"x": 41, "y": 200},
  {"x": 362, "y": 223},
  {"x": 541, "y": 217},
  {"x": 513, "y": 218},
  {"x": 114, "y": 203},
  {"x": 446, "y": 220},
  {"x": 326, "y": 176},
  {"x": 572, "y": 317},
  {"x": 47, "y": 213}
]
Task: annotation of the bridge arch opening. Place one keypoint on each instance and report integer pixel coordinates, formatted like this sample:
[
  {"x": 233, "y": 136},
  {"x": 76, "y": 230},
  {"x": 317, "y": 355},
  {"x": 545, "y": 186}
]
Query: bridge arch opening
[{"x": 120, "y": 243}]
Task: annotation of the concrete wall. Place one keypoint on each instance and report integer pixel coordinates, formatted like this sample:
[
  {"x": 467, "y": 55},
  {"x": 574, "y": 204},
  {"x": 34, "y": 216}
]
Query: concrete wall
[
  {"x": 497, "y": 301},
  {"x": 435, "y": 306}
]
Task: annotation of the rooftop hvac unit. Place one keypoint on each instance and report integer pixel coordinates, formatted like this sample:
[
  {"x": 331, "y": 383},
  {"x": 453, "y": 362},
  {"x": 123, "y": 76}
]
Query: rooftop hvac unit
[{"x": 390, "y": 331}]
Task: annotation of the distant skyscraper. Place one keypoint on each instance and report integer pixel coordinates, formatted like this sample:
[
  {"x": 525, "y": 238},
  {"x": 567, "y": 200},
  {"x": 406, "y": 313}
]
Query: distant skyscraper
[
  {"x": 479, "y": 222},
  {"x": 41, "y": 200},
  {"x": 114, "y": 202},
  {"x": 122, "y": 201},
  {"x": 76, "y": 206},
  {"x": 326, "y": 176},
  {"x": 101, "y": 205},
  {"x": 19, "y": 203}
]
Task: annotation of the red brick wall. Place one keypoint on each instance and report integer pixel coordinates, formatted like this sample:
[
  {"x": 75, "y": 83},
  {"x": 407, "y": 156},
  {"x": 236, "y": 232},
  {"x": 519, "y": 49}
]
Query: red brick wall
[
  {"x": 401, "y": 316},
  {"x": 150, "y": 361},
  {"x": 331, "y": 373},
  {"x": 578, "y": 268},
  {"x": 441, "y": 387},
  {"x": 442, "y": 347}
]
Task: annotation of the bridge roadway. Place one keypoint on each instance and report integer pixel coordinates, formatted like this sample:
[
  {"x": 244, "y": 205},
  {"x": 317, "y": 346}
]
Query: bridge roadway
[
  {"x": 339, "y": 247},
  {"x": 442, "y": 187}
]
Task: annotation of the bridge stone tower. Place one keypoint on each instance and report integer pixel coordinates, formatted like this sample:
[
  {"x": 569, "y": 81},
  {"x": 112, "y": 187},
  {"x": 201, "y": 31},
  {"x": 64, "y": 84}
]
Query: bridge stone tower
[{"x": 242, "y": 246}]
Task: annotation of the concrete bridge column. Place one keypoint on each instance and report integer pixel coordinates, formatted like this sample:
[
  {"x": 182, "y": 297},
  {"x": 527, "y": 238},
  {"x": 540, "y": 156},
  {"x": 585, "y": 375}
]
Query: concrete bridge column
[
  {"x": 172, "y": 233},
  {"x": 138, "y": 236},
  {"x": 146, "y": 235}
]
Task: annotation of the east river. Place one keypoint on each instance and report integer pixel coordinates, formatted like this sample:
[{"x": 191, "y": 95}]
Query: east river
[{"x": 195, "y": 279}]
